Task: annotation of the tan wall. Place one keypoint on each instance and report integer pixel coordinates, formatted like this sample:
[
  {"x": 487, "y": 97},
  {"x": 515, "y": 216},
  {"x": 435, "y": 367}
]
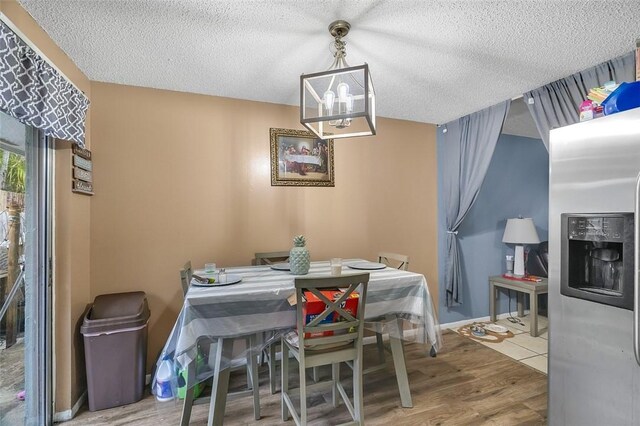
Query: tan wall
[
  {"x": 181, "y": 176},
  {"x": 71, "y": 216}
]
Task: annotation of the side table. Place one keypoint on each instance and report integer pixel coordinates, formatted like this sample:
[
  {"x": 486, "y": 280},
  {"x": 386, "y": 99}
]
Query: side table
[{"x": 533, "y": 289}]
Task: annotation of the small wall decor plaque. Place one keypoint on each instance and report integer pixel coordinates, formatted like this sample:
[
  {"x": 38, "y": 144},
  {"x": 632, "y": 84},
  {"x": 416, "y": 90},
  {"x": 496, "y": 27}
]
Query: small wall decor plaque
[
  {"x": 82, "y": 187},
  {"x": 82, "y": 171},
  {"x": 81, "y": 174},
  {"x": 84, "y": 153},
  {"x": 82, "y": 163}
]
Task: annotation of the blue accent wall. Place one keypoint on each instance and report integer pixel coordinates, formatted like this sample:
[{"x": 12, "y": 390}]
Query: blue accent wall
[{"x": 516, "y": 184}]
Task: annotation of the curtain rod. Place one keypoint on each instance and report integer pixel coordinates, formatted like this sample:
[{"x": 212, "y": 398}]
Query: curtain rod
[{"x": 5, "y": 19}]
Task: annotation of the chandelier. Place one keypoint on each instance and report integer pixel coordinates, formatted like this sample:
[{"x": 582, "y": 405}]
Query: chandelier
[{"x": 339, "y": 102}]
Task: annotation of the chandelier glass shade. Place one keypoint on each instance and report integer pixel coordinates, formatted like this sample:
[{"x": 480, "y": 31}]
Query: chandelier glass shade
[{"x": 339, "y": 102}]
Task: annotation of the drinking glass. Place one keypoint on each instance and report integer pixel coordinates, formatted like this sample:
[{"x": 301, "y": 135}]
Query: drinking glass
[{"x": 209, "y": 267}]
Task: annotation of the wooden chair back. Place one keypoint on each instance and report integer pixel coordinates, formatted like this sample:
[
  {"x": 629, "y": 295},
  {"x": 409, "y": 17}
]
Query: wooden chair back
[
  {"x": 394, "y": 260},
  {"x": 269, "y": 258},
  {"x": 349, "y": 328},
  {"x": 185, "y": 277}
]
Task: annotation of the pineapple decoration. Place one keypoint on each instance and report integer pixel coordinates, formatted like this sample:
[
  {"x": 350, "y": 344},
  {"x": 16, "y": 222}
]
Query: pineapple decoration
[{"x": 299, "y": 257}]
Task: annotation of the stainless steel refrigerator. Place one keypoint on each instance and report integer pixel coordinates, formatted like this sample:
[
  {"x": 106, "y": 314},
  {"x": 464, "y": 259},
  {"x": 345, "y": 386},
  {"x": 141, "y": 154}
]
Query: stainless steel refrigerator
[{"x": 594, "y": 377}]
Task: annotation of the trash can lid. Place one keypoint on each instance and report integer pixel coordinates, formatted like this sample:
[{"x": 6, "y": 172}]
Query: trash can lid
[
  {"x": 118, "y": 305},
  {"x": 111, "y": 312}
]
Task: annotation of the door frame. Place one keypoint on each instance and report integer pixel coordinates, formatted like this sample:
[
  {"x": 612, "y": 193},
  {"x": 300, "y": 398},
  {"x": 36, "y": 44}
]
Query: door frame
[{"x": 38, "y": 279}]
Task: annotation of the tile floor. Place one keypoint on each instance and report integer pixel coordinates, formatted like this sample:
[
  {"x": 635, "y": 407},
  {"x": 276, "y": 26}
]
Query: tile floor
[{"x": 531, "y": 351}]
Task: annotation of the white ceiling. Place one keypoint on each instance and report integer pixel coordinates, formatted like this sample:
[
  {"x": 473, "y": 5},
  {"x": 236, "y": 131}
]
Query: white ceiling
[{"x": 431, "y": 61}]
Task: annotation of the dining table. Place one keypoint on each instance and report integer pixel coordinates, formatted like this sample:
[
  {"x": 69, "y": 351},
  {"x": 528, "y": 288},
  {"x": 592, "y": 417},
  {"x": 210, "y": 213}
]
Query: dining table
[{"x": 257, "y": 303}]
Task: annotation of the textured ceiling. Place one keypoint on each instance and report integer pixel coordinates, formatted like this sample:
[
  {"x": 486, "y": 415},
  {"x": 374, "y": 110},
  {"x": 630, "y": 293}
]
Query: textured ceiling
[{"x": 431, "y": 61}]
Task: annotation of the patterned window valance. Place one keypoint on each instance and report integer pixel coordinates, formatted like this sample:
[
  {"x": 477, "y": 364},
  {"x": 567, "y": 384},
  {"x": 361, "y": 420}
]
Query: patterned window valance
[{"x": 33, "y": 92}]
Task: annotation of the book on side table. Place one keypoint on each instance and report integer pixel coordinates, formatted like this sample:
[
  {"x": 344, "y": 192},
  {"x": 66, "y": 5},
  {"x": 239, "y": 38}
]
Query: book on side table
[{"x": 530, "y": 278}]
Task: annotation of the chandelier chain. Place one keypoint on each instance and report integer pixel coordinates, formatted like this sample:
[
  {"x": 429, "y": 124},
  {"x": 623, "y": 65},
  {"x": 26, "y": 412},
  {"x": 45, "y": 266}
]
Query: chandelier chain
[
  {"x": 339, "y": 51},
  {"x": 340, "y": 47}
]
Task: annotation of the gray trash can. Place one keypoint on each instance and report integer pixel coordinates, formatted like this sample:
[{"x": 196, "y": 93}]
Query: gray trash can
[{"x": 115, "y": 349}]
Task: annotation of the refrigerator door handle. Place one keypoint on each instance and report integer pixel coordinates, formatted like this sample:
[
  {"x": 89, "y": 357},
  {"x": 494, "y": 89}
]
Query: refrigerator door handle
[{"x": 636, "y": 264}]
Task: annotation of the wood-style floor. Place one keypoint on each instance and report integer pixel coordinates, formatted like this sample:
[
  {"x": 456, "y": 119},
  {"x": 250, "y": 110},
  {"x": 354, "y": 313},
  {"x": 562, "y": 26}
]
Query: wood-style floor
[{"x": 466, "y": 384}]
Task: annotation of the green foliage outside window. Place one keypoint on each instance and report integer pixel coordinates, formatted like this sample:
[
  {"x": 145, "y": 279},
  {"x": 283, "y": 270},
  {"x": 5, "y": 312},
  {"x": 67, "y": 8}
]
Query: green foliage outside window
[{"x": 14, "y": 179}]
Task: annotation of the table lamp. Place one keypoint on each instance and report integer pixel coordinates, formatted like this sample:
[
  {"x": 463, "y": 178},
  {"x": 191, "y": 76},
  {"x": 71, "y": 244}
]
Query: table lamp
[{"x": 520, "y": 231}]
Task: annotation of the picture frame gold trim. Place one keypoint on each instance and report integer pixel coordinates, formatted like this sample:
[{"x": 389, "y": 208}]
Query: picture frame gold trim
[{"x": 316, "y": 169}]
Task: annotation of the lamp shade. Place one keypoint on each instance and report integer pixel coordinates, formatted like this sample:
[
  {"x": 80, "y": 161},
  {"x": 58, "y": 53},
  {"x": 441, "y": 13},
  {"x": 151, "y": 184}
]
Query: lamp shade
[{"x": 520, "y": 231}]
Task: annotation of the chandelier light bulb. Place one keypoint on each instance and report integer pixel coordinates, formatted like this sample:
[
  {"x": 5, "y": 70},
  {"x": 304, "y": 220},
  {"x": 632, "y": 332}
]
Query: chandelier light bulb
[
  {"x": 349, "y": 103},
  {"x": 329, "y": 99},
  {"x": 343, "y": 91}
]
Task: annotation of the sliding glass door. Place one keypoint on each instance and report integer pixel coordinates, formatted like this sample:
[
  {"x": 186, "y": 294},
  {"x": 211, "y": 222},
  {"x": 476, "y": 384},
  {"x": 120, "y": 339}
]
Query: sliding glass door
[{"x": 25, "y": 278}]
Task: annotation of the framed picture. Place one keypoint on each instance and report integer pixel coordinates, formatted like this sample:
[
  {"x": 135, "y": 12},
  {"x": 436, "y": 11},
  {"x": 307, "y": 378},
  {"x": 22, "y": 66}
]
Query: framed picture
[{"x": 300, "y": 158}]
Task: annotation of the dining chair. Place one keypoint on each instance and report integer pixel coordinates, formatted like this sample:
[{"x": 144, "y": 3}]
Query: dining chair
[
  {"x": 185, "y": 277},
  {"x": 269, "y": 353},
  {"x": 220, "y": 353},
  {"x": 209, "y": 345},
  {"x": 332, "y": 337},
  {"x": 393, "y": 260},
  {"x": 269, "y": 258}
]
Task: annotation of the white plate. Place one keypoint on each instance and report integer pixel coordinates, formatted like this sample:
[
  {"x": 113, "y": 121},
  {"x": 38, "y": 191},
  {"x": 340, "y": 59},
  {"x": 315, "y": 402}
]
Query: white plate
[
  {"x": 496, "y": 328},
  {"x": 228, "y": 280},
  {"x": 367, "y": 266},
  {"x": 281, "y": 266}
]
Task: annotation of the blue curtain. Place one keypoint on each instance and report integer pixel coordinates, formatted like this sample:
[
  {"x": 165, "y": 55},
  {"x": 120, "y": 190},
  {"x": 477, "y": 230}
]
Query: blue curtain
[
  {"x": 556, "y": 104},
  {"x": 468, "y": 146},
  {"x": 34, "y": 93}
]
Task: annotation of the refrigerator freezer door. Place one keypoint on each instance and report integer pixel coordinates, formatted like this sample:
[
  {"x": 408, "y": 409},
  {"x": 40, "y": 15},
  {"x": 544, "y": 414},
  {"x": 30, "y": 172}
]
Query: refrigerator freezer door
[{"x": 593, "y": 375}]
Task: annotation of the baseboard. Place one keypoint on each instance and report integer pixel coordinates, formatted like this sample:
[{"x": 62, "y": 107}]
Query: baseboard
[
  {"x": 458, "y": 324},
  {"x": 67, "y": 415}
]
